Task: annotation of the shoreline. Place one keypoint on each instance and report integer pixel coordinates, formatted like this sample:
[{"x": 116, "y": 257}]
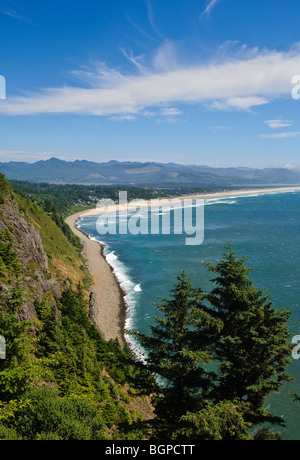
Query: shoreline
[
  {"x": 98, "y": 211},
  {"x": 108, "y": 308}
]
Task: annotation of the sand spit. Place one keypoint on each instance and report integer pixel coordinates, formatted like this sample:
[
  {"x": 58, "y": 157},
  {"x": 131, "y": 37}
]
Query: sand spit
[{"x": 108, "y": 303}]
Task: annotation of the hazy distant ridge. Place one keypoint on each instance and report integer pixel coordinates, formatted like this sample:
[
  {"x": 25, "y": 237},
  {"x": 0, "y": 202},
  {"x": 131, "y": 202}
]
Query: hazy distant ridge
[{"x": 150, "y": 173}]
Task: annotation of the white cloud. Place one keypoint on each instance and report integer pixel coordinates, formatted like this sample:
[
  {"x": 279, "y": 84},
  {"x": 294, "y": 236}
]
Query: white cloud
[
  {"x": 276, "y": 124},
  {"x": 253, "y": 78},
  {"x": 134, "y": 60},
  {"x": 122, "y": 118},
  {"x": 291, "y": 134},
  {"x": 151, "y": 18},
  {"x": 139, "y": 29},
  {"x": 209, "y": 7},
  {"x": 239, "y": 103},
  {"x": 165, "y": 59},
  {"x": 170, "y": 112}
]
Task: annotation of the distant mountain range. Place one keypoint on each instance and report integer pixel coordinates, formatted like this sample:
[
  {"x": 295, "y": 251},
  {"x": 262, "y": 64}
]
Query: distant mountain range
[{"x": 150, "y": 173}]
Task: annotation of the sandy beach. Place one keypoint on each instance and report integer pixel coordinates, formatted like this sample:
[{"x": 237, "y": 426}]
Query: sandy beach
[
  {"x": 208, "y": 196},
  {"x": 108, "y": 304},
  {"x": 109, "y": 309}
]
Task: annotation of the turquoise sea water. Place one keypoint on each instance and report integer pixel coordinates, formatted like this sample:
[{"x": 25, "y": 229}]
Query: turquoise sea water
[{"x": 265, "y": 228}]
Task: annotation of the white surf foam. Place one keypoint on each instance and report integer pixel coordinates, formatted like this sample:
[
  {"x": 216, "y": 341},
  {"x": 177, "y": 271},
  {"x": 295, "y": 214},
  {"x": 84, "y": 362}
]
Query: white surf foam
[
  {"x": 138, "y": 288},
  {"x": 129, "y": 289},
  {"x": 220, "y": 201}
]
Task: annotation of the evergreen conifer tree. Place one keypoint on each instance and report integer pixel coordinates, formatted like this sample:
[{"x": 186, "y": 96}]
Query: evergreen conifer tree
[
  {"x": 173, "y": 354},
  {"x": 252, "y": 349},
  {"x": 235, "y": 328}
]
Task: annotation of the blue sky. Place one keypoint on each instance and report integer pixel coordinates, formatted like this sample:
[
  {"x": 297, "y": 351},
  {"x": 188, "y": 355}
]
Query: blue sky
[{"x": 185, "y": 81}]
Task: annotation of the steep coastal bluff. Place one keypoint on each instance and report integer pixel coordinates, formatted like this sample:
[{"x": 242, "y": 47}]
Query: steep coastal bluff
[
  {"x": 57, "y": 365},
  {"x": 22, "y": 243}
]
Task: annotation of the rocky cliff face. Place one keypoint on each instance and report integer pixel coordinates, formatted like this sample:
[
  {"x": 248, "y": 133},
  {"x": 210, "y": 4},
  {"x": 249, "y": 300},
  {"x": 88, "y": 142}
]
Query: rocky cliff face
[{"x": 30, "y": 281}]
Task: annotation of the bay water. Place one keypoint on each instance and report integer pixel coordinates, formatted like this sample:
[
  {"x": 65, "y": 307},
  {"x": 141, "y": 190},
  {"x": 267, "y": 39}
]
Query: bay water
[{"x": 263, "y": 227}]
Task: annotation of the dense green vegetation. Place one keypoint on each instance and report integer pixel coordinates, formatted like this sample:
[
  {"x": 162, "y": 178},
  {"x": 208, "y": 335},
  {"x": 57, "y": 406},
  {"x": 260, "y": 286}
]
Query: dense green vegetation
[
  {"x": 58, "y": 201},
  {"x": 53, "y": 384},
  {"x": 9, "y": 263},
  {"x": 66, "y": 199},
  {"x": 60, "y": 379},
  {"x": 4, "y": 188},
  {"x": 220, "y": 354}
]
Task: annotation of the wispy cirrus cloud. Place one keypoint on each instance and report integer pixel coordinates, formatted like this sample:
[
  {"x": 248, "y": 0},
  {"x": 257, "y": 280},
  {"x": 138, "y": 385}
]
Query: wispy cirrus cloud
[
  {"x": 15, "y": 11},
  {"x": 12, "y": 14},
  {"x": 209, "y": 7},
  {"x": 286, "y": 135},
  {"x": 151, "y": 18},
  {"x": 280, "y": 124},
  {"x": 161, "y": 80},
  {"x": 140, "y": 29},
  {"x": 276, "y": 124}
]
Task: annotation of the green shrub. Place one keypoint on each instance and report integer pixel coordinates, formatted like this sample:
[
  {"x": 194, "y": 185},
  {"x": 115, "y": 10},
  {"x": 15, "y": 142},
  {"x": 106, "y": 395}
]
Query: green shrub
[
  {"x": 8, "y": 434},
  {"x": 50, "y": 417},
  {"x": 4, "y": 188}
]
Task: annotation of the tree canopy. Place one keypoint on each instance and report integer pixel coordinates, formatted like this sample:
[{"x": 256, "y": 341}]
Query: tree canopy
[{"x": 220, "y": 354}]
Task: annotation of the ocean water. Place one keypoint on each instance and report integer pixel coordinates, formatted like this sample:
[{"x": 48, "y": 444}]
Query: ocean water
[{"x": 265, "y": 228}]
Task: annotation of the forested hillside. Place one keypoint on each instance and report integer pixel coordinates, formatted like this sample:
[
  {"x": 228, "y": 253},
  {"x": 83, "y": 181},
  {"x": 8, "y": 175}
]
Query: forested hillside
[{"x": 60, "y": 379}]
